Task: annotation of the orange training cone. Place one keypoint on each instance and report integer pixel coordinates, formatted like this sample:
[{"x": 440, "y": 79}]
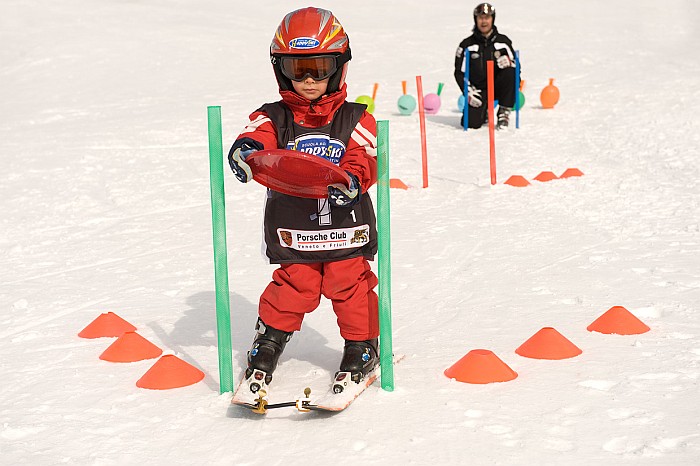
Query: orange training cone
[
  {"x": 130, "y": 347},
  {"x": 517, "y": 181},
  {"x": 620, "y": 321},
  {"x": 571, "y": 172},
  {"x": 397, "y": 183},
  {"x": 480, "y": 366},
  {"x": 170, "y": 372},
  {"x": 546, "y": 176},
  {"x": 548, "y": 344},
  {"x": 106, "y": 325}
]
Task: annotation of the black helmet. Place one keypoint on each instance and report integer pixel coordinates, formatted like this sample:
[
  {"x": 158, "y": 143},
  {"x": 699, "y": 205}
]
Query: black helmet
[{"x": 484, "y": 9}]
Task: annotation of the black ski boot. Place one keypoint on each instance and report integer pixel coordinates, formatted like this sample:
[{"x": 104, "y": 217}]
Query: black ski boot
[
  {"x": 359, "y": 359},
  {"x": 503, "y": 116},
  {"x": 264, "y": 355}
]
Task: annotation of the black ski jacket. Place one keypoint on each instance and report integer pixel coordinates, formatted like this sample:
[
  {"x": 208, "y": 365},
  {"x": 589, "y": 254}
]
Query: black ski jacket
[{"x": 481, "y": 49}]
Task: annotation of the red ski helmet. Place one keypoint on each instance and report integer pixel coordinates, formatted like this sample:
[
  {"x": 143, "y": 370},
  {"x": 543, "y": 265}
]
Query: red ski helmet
[{"x": 310, "y": 42}]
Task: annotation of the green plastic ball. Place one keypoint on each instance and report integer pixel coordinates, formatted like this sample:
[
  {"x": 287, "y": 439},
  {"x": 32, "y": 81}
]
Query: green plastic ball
[
  {"x": 521, "y": 101},
  {"x": 367, "y": 100},
  {"x": 407, "y": 104}
]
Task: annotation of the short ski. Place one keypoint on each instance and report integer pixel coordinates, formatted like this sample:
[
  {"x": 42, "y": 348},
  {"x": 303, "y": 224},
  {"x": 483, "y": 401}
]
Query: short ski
[
  {"x": 252, "y": 392},
  {"x": 334, "y": 400}
]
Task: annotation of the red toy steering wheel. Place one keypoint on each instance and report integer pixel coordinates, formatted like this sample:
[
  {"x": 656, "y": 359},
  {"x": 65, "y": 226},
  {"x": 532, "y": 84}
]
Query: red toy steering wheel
[{"x": 295, "y": 173}]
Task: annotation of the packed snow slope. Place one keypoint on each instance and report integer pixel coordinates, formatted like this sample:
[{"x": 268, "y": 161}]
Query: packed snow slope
[{"x": 105, "y": 206}]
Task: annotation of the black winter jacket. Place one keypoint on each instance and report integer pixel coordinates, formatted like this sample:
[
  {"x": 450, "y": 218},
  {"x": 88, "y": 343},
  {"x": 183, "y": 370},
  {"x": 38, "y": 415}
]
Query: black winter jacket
[{"x": 480, "y": 50}]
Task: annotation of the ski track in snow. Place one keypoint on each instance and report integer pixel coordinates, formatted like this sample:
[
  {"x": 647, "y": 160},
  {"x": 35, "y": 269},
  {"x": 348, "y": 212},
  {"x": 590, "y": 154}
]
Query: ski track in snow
[{"x": 105, "y": 203}]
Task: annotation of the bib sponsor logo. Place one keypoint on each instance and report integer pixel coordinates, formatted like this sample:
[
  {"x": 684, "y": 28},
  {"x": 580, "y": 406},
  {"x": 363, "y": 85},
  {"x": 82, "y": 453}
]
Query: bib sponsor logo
[
  {"x": 320, "y": 145},
  {"x": 324, "y": 240},
  {"x": 303, "y": 43},
  {"x": 286, "y": 237},
  {"x": 361, "y": 236}
]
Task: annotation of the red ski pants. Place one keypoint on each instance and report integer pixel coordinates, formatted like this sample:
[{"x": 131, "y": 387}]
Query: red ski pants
[{"x": 296, "y": 289}]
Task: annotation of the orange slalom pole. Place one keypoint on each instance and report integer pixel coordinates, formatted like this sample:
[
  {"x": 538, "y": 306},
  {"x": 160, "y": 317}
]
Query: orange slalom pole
[
  {"x": 374, "y": 91},
  {"x": 423, "y": 143},
  {"x": 492, "y": 133}
]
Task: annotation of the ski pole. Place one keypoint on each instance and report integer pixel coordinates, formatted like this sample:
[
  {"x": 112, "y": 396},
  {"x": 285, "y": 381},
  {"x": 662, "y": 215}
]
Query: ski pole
[
  {"x": 517, "y": 89},
  {"x": 465, "y": 109},
  {"x": 218, "y": 218},
  {"x": 421, "y": 116},
  {"x": 386, "y": 358},
  {"x": 492, "y": 135}
]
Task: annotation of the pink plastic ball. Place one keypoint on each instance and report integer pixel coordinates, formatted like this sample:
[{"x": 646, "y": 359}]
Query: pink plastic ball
[{"x": 431, "y": 103}]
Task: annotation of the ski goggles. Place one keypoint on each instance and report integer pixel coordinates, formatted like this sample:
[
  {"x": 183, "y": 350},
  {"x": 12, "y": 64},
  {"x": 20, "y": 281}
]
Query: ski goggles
[{"x": 319, "y": 67}]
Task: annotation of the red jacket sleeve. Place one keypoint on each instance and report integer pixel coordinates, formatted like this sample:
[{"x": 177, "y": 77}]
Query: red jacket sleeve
[
  {"x": 360, "y": 157},
  {"x": 261, "y": 129}
]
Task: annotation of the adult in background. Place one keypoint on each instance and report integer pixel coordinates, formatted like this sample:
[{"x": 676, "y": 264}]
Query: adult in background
[{"x": 486, "y": 43}]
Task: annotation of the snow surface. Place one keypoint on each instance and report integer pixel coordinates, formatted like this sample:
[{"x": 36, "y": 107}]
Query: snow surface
[{"x": 105, "y": 207}]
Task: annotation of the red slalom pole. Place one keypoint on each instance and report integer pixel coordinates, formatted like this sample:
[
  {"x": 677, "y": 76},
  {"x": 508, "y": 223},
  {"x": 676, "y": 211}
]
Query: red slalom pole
[
  {"x": 423, "y": 143},
  {"x": 492, "y": 133}
]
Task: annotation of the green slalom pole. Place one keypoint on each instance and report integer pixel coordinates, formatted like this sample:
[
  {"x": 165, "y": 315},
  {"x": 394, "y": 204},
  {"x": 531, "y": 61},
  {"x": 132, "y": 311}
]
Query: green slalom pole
[
  {"x": 218, "y": 219},
  {"x": 384, "y": 253}
]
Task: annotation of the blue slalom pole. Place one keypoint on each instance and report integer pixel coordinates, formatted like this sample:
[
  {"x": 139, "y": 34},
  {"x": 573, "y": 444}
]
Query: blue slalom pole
[
  {"x": 465, "y": 110},
  {"x": 517, "y": 89}
]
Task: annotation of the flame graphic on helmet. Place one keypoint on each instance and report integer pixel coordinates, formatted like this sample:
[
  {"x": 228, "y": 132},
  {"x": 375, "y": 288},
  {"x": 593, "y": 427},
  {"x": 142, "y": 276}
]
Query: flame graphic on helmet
[{"x": 305, "y": 25}]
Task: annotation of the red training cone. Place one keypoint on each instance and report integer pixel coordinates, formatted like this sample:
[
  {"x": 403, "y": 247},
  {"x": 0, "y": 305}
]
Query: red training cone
[
  {"x": 170, "y": 372},
  {"x": 548, "y": 344},
  {"x": 517, "y": 181},
  {"x": 130, "y": 347},
  {"x": 546, "y": 176},
  {"x": 106, "y": 325},
  {"x": 397, "y": 183},
  {"x": 620, "y": 321},
  {"x": 571, "y": 172},
  {"x": 480, "y": 366}
]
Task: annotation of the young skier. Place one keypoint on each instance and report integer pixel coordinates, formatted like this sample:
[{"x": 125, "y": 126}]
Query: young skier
[{"x": 309, "y": 53}]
